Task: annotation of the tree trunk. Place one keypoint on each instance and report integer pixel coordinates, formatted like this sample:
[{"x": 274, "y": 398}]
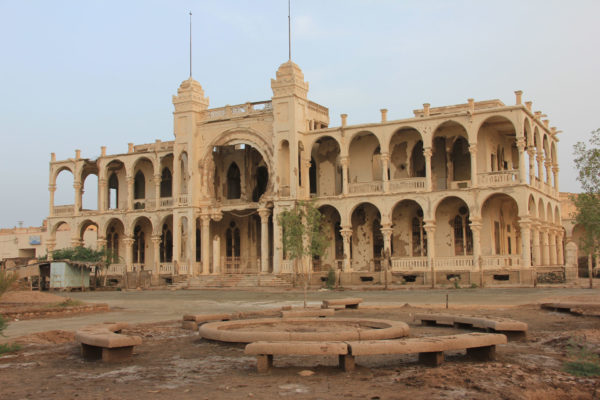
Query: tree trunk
[{"x": 591, "y": 278}]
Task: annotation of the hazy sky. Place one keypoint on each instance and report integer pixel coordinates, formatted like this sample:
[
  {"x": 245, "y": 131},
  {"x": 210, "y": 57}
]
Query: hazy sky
[{"x": 82, "y": 74}]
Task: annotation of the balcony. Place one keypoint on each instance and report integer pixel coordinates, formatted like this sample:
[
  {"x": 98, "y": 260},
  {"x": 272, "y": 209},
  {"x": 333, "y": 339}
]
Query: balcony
[
  {"x": 408, "y": 184},
  {"x": 454, "y": 263},
  {"x": 62, "y": 211},
  {"x": 366, "y": 187},
  {"x": 500, "y": 261},
  {"x": 116, "y": 269},
  {"x": 183, "y": 200},
  {"x": 499, "y": 178},
  {"x": 409, "y": 264}
]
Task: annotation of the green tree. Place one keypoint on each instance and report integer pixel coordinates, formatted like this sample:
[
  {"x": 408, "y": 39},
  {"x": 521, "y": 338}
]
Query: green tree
[
  {"x": 587, "y": 161},
  {"x": 303, "y": 238}
]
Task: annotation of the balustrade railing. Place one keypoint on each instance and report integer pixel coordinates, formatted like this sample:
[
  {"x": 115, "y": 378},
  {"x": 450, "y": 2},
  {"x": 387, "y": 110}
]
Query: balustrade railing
[
  {"x": 365, "y": 187},
  {"x": 137, "y": 266},
  {"x": 500, "y": 261},
  {"x": 459, "y": 262},
  {"x": 139, "y": 204},
  {"x": 64, "y": 210},
  {"x": 287, "y": 266},
  {"x": 498, "y": 178},
  {"x": 116, "y": 269},
  {"x": 237, "y": 110},
  {"x": 183, "y": 200},
  {"x": 183, "y": 269},
  {"x": 409, "y": 264},
  {"x": 407, "y": 185},
  {"x": 151, "y": 204},
  {"x": 165, "y": 268},
  {"x": 165, "y": 202}
]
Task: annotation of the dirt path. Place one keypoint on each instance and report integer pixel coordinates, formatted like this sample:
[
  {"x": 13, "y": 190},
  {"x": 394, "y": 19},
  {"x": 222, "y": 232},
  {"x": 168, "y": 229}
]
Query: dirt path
[{"x": 176, "y": 364}]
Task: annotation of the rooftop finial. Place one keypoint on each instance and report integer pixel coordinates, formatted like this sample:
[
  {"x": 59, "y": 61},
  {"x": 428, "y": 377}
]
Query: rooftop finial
[
  {"x": 190, "y": 44},
  {"x": 289, "y": 31}
]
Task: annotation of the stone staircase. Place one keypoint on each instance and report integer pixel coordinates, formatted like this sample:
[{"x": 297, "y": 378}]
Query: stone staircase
[{"x": 233, "y": 281}]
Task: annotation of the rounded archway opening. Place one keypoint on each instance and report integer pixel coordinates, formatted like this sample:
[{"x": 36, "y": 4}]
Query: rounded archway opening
[
  {"x": 500, "y": 231},
  {"x": 334, "y": 255},
  {"x": 451, "y": 160},
  {"x": 409, "y": 238},
  {"x": 367, "y": 239},
  {"x": 326, "y": 170},
  {"x": 453, "y": 235}
]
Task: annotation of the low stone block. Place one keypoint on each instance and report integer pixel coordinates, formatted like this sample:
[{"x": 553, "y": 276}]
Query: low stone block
[{"x": 190, "y": 325}]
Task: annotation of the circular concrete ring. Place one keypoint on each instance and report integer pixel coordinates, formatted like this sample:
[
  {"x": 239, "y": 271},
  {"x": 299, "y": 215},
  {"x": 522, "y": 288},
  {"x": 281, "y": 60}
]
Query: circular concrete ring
[{"x": 303, "y": 329}]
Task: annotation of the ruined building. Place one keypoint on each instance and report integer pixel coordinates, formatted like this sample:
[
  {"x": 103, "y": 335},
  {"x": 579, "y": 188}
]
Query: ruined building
[{"x": 465, "y": 192}]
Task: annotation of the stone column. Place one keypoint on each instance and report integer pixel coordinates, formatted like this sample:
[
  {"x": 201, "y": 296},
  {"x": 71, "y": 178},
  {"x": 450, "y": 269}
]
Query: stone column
[
  {"x": 156, "y": 239},
  {"x": 346, "y": 233},
  {"x": 430, "y": 229},
  {"x": 386, "y": 231},
  {"x": 129, "y": 193},
  {"x": 531, "y": 155},
  {"x": 277, "y": 247},
  {"x": 552, "y": 247},
  {"x": 176, "y": 250},
  {"x": 545, "y": 246},
  {"x": 385, "y": 165},
  {"x": 555, "y": 173},
  {"x": 216, "y": 244},
  {"x": 157, "y": 179},
  {"x": 50, "y": 245},
  {"x": 305, "y": 164},
  {"x": 427, "y": 152},
  {"x": 477, "y": 264},
  {"x": 537, "y": 260},
  {"x": 78, "y": 195},
  {"x": 190, "y": 246},
  {"x": 128, "y": 241},
  {"x": 102, "y": 194},
  {"x": 76, "y": 241},
  {"x": 473, "y": 151},
  {"x": 344, "y": 162},
  {"x": 522, "y": 171},
  {"x": 51, "y": 190},
  {"x": 205, "y": 239},
  {"x": 264, "y": 239},
  {"x": 525, "y": 227},
  {"x": 559, "y": 246},
  {"x": 548, "y": 165},
  {"x": 540, "y": 162}
]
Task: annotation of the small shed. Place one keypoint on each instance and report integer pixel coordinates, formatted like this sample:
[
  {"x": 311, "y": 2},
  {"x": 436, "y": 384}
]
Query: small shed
[{"x": 65, "y": 275}]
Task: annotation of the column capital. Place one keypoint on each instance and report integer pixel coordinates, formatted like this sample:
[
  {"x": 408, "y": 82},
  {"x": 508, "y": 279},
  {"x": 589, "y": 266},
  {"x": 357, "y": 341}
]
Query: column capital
[
  {"x": 384, "y": 156},
  {"x": 129, "y": 179},
  {"x": 555, "y": 168},
  {"x": 52, "y": 188},
  {"x": 473, "y": 148},
  {"x": 128, "y": 241},
  {"x": 103, "y": 181},
  {"x": 77, "y": 185},
  {"x": 156, "y": 239},
  {"x": 427, "y": 152},
  {"x": 346, "y": 233},
  {"x": 344, "y": 161},
  {"x": 521, "y": 144},
  {"x": 205, "y": 218},
  {"x": 264, "y": 214},
  {"x": 531, "y": 151},
  {"x": 101, "y": 242}
]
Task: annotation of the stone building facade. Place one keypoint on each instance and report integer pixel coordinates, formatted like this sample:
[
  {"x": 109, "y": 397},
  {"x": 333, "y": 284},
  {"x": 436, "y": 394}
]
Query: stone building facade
[{"x": 467, "y": 192}]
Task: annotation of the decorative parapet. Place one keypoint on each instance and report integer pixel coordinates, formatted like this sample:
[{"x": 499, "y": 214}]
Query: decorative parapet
[{"x": 238, "y": 110}]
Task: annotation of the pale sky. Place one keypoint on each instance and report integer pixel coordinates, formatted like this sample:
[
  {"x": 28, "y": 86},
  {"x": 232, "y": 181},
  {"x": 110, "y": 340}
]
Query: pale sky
[{"x": 83, "y": 74}]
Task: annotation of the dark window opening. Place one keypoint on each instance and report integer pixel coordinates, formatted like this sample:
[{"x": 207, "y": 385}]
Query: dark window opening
[
  {"x": 262, "y": 178},
  {"x": 113, "y": 192},
  {"x": 139, "y": 245},
  {"x": 139, "y": 186},
  {"x": 234, "y": 190},
  {"x": 312, "y": 176},
  {"x": 501, "y": 277},
  {"x": 166, "y": 183}
]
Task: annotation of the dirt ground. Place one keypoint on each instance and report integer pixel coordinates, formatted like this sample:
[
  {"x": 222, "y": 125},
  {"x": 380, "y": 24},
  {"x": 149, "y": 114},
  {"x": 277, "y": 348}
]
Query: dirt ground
[{"x": 173, "y": 363}]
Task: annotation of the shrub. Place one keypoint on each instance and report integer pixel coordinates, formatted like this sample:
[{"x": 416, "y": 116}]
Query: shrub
[
  {"x": 583, "y": 361},
  {"x": 7, "y": 279},
  {"x": 330, "y": 278}
]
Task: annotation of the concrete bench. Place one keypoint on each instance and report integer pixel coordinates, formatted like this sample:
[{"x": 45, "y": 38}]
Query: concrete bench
[
  {"x": 342, "y": 303},
  {"x": 104, "y": 341},
  {"x": 481, "y": 346},
  {"x": 264, "y": 352},
  {"x": 511, "y": 328},
  {"x": 322, "y": 312},
  {"x": 192, "y": 321},
  {"x": 591, "y": 309}
]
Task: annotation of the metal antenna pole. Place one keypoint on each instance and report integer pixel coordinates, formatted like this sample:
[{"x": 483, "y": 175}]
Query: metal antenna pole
[
  {"x": 190, "y": 44},
  {"x": 289, "y": 32}
]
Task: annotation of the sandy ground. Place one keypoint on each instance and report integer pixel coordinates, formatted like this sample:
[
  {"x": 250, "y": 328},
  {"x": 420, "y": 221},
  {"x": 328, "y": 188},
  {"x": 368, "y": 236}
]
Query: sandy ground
[{"x": 176, "y": 364}]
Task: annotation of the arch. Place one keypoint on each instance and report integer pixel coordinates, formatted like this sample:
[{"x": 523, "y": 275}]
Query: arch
[
  {"x": 139, "y": 186},
  {"x": 116, "y": 173},
  {"x": 541, "y": 214},
  {"x": 557, "y": 218},
  {"x": 409, "y": 238},
  {"x": 547, "y": 158},
  {"x": 166, "y": 239},
  {"x": 326, "y": 171},
  {"x": 184, "y": 172},
  {"x": 364, "y": 156},
  {"x": 527, "y": 132},
  {"x": 114, "y": 234},
  {"x": 510, "y": 196},
  {"x": 443, "y": 160},
  {"x": 166, "y": 183},
  {"x": 143, "y": 159},
  {"x": 84, "y": 226},
  {"x": 537, "y": 143},
  {"x": 452, "y": 218},
  {"x": 459, "y": 196},
  {"x": 532, "y": 209},
  {"x": 497, "y": 145},
  {"x": 332, "y": 227},
  {"x": 238, "y": 136},
  {"x": 54, "y": 227},
  {"x": 89, "y": 199},
  {"x": 367, "y": 239},
  {"x": 500, "y": 234},
  {"x": 403, "y": 156},
  {"x": 549, "y": 213},
  {"x": 65, "y": 192},
  {"x": 141, "y": 232},
  {"x": 57, "y": 172}
]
